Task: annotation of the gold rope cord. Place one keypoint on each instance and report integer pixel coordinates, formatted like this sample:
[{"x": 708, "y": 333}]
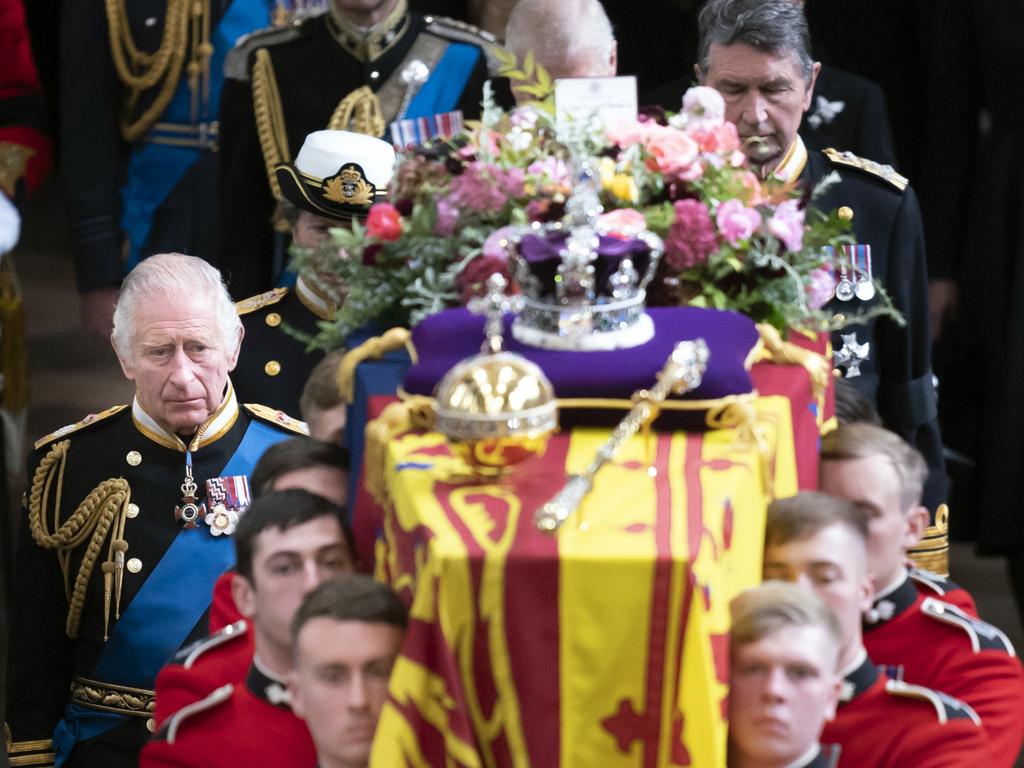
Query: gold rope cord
[
  {"x": 266, "y": 102},
  {"x": 361, "y": 112},
  {"x": 102, "y": 510}
]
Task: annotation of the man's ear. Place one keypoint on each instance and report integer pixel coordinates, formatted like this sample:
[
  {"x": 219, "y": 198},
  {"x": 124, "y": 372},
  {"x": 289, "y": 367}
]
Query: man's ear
[
  {"x": 917, "y": 520},
  {"x": 127, "y": 367},
  {"x": 809, "y": 96},
  {"x": 699, "y": 74},
  {"x": 233, "y": 361},
  {"x": 244, "y": 595},
  {"x": 613, "y": 59},
  {"x": 833, "y": 699},
  {"x": 867, "y": 591}
]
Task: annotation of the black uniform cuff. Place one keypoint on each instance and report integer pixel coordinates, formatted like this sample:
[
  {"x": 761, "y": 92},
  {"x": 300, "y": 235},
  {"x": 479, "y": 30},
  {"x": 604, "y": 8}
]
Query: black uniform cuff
[{"x": 908, "y": 405}]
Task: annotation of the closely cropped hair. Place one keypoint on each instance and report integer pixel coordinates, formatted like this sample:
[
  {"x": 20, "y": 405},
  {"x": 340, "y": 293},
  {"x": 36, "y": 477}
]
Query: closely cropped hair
[
  {"x": 852, "y": 405},
  {"x": 559, "y": 32},
  {"x": 764, "y": 610},
  {"x": 321, "y": 392},
  {"x": 861, "y": 440},
  {"x": 281, "y": 510},
  {"x": 293, "y": 454},
  {"x": 350, "y": 597},
  {"x": 803, "y": 515},
  {"x": 175, "y": 275},
  {"x": 776, "y": 27}
]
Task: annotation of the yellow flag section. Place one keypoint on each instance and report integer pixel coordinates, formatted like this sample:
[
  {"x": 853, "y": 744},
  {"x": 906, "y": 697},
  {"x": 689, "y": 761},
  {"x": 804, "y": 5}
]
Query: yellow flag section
[{"x": 604, "y": 645}]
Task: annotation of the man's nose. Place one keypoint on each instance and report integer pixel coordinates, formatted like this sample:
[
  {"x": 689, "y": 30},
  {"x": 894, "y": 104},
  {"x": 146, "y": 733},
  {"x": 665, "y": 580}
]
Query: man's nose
[
  {"x": 358, "y": 693},
  {"x": 754, "y": 110},
  {"x": 775, "y": 684},
  {"x": 182, "y": 373},
  {"x": 312, "y": 575}
]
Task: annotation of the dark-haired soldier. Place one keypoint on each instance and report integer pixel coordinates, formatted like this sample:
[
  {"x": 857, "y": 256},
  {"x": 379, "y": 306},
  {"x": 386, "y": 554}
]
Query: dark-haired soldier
[
  {"x": 346, "y": 637},
  {"x": 756, "y": 53},
  {"x": 286, "y": 544},
  {"x": 359, "y": 67}
]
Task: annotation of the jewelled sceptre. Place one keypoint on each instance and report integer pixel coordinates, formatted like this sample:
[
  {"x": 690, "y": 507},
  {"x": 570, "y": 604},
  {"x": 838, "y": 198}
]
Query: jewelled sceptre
[{"x": 682, "y": 372}]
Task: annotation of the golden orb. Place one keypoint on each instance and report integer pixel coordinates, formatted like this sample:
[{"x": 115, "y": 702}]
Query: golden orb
[{"x": 497, "y": 410}]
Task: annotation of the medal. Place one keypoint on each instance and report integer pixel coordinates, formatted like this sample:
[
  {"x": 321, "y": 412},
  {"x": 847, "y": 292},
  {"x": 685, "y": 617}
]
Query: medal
[
  {"x": 865, "y": 280},
  {"x": 844, "y": 288},
  {"x": 190, "y": 510}
]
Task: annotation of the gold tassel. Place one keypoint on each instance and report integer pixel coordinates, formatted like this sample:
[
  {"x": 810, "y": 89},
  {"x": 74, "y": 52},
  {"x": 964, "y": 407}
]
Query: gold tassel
[
  {"x": 741, "y": 415},
  {"x": 414, "y": 413},
  {"x": 785, "y": 353},
  {"x": 372, "y": 349}
]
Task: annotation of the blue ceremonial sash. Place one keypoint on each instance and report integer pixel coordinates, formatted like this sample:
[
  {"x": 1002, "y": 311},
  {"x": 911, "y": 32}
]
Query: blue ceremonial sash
[
  {"x": 442, "y": 91},
  {"x": 158, "y": 620},
  {"x": 155, "y": 169}
]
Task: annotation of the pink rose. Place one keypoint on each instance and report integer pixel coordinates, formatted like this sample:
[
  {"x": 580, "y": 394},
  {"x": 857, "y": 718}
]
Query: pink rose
[
  {"x": 736, "y": 222},
  {"x": 384, "y": 222},
  {"x": 722, "y": 139},
  {"x": 627, "y": 132},
  {"x": 671, "y": 151},
  {"x": 787, "y": 224},
  {"x": 755, "y": 195},
  {"x": 821, "y": 287},
  {"x": 554, "y": 168},
  {"x": 691, "y": 238},
  {"x": 447, "y": 218},
  {"x": 622, "y": 223},
  {"x": 495, "y": 247}
]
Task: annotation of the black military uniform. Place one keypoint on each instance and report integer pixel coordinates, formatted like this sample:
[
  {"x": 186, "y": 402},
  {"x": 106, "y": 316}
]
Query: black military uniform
[
  {"x": 321, "y": 73},
  {"x": 895, "y": 369},
  {"x": 123, "y": 140},
  {"x": 848, "y": 112},
  {"x": 119, "y": 592},
  {"x": 274, "y": 365}
]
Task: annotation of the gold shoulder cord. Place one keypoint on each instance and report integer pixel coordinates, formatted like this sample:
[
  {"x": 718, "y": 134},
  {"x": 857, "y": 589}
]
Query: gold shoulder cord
[
  {"x": 102, "y": 510},
  {"x": 139, "y": 71},
  {"x": 361, "y": 112},
  {"x": 266, "y": 102}
]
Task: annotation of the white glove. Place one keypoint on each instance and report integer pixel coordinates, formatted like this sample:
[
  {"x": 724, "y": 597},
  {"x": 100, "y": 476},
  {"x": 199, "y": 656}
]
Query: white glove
[{"x": 10, "y": 225}]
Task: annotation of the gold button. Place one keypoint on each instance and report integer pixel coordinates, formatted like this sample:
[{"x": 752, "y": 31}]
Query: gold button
[
  {"x": 134, "y": 458},
  {"x": 135, "y": 565},
  {"x": 846, "y": 213},
  {"x": 273, "y": 320},
  {"x": 272, "y": 368},
  {"x": 133, "y": 510},
  {"x": 151, "y": 725}
]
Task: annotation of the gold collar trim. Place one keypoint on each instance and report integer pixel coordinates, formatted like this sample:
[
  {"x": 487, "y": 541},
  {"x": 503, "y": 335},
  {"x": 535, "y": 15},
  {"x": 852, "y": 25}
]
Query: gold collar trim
[
  {"x": 370, "y": 44},
  {"x": 792, "y": 164},
  {"x": 315, "y": 299},
  {"x": 214, "y": 428}
]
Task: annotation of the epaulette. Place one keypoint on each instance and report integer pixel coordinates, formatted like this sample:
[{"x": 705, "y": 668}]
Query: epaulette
[
  {"x": 460, "y": 31},
  {"x": 940, "y": 585},
  {"x": 946, "y": 707},
  {"x": 88, "y": 421},
  {"x": 188, "y": 655},
  {"x": 236, "y": 64},
  {"x": 169, "y": 731},
  {"x": 253, "y": 303},
  {"x": 984, "y": 636},
  {"x": 886, "y": 172},
  {"x": 278, "y": 418}
]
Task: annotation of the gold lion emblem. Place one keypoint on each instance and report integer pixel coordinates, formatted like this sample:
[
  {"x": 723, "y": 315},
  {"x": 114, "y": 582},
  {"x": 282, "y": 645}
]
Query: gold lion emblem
[{"x": 349, "y": 186}]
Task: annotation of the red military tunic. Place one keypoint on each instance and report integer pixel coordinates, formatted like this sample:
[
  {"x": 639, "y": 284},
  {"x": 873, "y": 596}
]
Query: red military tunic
[
  {"x": 883, "y": 723},
  {"x": 942, "y": 647},
  {"x": 932, "y": 585},
  {"x": 223, "y": 610},
  {"x": 199, "y": 669},
  {"x": 241, "y": 724}
]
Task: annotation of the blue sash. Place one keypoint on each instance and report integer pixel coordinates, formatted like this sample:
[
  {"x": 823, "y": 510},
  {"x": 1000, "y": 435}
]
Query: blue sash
[
  {"x": 158, "y": 620},
  {"x": 441, "y": 93},
  {"x": 155, "y": 169}
]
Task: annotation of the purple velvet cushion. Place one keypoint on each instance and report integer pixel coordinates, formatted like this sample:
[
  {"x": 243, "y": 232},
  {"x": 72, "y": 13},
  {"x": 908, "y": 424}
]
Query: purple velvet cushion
[
  {"x": 444, "y": 339},
  {"x": 544, "y": 255}
]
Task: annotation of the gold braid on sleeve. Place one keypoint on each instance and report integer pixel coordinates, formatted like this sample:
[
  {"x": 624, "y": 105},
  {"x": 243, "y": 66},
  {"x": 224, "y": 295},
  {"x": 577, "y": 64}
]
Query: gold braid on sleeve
[
  {"x": 266, "y": 102},
  {"x": 101, "y": 514}
]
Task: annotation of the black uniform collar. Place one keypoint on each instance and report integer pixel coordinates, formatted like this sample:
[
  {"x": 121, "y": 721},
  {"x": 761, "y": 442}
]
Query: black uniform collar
[
  {"x": 858, "y": 680},
  {"x": 891, "y": 603},
  {"x": 369, "y": 45},
  {"x": 818, "y": 757},
  {"x": 266, "y": 686}
]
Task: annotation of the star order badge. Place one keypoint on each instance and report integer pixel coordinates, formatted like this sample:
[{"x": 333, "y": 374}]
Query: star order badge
[{"x": 852, "y": 354}]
